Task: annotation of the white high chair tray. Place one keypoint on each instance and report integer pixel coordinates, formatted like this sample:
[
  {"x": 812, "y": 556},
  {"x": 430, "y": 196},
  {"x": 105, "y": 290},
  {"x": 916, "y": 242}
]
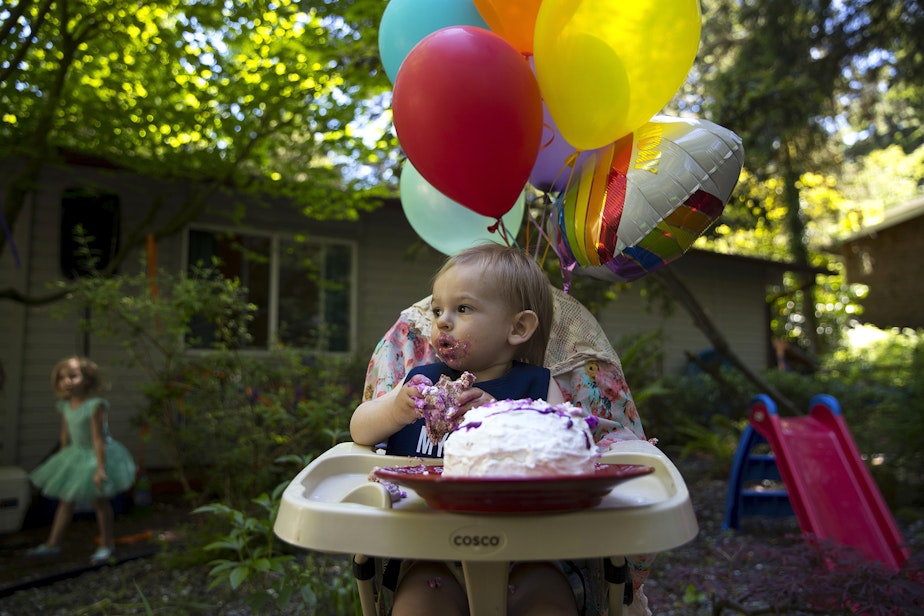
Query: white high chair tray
[{"x": 331, "y": 506}]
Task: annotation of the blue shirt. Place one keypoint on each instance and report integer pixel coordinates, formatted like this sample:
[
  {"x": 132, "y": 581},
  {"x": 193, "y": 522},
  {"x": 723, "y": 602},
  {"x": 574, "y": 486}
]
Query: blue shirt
[{"x": 522, "y": 381}]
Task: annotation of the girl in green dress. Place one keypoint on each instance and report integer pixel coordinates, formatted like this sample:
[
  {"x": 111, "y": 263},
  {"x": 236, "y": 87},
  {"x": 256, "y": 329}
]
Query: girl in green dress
[{"x": 90, "y": 465}]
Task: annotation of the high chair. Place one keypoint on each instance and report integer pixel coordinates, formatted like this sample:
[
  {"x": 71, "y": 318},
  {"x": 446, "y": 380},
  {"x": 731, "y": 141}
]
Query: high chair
[{"x": 331, "y": 505}]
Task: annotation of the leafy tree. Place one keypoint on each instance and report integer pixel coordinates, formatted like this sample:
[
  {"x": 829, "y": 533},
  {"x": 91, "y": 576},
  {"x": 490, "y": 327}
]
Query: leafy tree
[
  {"x": 782, "y": 74},
  {"x": 880, "y": 180},
  {"x": 260, "y": 97}
]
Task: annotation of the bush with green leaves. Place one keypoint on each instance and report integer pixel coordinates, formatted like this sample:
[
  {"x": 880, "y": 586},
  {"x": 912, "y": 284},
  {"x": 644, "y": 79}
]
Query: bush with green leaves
[
  {"x": 236, "y": 424},
  {"x": 878, "y": 388},
  {"x": 224, "y": 415},
  {"x": 238, "y": 414},
  {"x": 251, "y": 560}
]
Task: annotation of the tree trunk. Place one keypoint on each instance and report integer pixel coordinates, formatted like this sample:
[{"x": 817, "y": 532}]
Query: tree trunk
[
  {"x": 797, "y": 248},
  {"x": 679, "y": 291}
]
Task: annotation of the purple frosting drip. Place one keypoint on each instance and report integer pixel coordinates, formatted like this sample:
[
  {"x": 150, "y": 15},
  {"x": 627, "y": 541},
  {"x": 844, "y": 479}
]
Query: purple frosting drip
[{"x": 591, "y": 420}]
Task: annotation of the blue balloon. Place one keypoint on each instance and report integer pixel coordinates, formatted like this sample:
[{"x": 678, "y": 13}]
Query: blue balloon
[
  {"x": 448, "y": 226},
  {"x": 405, "y": 22}
]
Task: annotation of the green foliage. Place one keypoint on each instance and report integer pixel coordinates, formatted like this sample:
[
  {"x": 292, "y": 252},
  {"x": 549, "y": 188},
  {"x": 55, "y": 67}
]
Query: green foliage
[
  {"x": 642, "y": 357},
  {"x": 787, "y": 76},
  {"x": 692, "y": 596},
  {"x": 144, "y": 601},
  {"x": 250, "y": 100},
  {"x": 195, "y": 90},
  {"x": 877, "y": 386},
  {"x": 254, "y": 562},
  {"x": 252, "y": 411},
  {"x": 756, "y": 225},
  {"x": 884, "y": 403},
  {"x": 225, "y": 416},
  {"x": 717, "y": 440},
  {"x": 882, "y": 179}
]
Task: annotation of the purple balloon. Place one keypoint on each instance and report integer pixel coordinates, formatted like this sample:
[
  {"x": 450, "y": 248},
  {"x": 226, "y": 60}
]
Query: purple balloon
[{"x": 557, "y": 158}]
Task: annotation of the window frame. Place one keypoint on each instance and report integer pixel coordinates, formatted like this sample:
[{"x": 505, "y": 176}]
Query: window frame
[{"x": 276, "y": 239}]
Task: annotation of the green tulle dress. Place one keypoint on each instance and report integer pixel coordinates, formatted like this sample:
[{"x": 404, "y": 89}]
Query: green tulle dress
[{"x": 68, "y": 474}]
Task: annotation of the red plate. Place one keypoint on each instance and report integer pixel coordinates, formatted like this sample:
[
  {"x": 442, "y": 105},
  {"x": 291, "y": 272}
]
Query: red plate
[{"x": 511, "y": 495}]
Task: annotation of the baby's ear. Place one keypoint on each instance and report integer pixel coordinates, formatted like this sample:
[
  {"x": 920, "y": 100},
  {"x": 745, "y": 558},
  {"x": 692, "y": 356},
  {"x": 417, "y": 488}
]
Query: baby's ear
[{"x": 523, "y": 327}]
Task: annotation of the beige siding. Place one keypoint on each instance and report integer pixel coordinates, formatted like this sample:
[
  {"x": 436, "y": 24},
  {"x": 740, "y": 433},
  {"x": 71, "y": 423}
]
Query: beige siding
[
  {"x": 48, "y": 337},
  {"x": 14, "y": 276},
  {"x": 393, "y": 270},
  {"x": 732, "y": 299}
]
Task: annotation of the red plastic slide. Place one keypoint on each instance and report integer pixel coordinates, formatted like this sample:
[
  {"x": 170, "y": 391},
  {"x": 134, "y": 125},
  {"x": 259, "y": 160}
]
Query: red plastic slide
[{"x": 831, "y": 491}]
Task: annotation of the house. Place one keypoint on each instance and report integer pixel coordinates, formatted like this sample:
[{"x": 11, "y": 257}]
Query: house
[
  {"x": 370, "y": 256},
  {"x": 886, "y": 257}
]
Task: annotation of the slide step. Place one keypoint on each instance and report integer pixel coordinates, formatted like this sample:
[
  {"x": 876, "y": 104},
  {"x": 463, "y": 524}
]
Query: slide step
[{"x": 766, "y": 503}]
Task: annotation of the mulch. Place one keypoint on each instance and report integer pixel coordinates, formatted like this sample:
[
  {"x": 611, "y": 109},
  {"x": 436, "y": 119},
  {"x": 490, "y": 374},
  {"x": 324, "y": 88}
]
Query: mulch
[{"x": 720, "y": 572}]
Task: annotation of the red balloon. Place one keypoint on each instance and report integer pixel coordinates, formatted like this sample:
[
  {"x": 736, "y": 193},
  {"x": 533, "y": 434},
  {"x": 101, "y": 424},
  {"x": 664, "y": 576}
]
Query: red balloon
[{"x": 468, "y": 114}]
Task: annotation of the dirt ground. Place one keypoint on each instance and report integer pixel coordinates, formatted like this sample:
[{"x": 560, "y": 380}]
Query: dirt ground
[
  {"x": 139, "y": 533},
  {"x": 765, "y": 568}
]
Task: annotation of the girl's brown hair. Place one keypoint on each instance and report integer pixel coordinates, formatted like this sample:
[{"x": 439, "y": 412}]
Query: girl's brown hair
[
  {"x": 522, "y": 285},
  {"x": 94, "y": 381}
]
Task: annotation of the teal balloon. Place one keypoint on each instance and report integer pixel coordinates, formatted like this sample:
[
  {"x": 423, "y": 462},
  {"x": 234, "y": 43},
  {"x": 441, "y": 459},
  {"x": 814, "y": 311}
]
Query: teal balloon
[
  {"x": 405, "y": 22},
  {"x": 446, "y": 225}
]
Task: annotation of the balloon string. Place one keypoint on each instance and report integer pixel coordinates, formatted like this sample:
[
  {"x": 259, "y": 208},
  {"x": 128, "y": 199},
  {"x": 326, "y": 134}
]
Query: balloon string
[
  {"x": 526, "y": 231},
  {"x": 548, "y": 142},
  {"x": 531, "y": 221},
  {"x": 546, "y": 214},
  {"x": 505, "y": 233},
  {"x": 571, "y": 165},
  {"x": 500, "y": 228},
  {"x": 542, "y": 234},
  {"x": 9, "y": 238},
  {"x": 540, "y": 230}
]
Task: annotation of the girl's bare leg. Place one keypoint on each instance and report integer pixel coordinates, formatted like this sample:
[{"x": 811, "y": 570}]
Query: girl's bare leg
[
  {"x": 429, "y": 588},
  {"x": 63, "y": 515},
  {"x": 104, "y": 518}
]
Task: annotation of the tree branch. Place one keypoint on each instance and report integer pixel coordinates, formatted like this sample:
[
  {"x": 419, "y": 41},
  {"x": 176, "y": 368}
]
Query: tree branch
[
  {"x": 30, "y": 300},
  {"x": 679, "y": 291}
]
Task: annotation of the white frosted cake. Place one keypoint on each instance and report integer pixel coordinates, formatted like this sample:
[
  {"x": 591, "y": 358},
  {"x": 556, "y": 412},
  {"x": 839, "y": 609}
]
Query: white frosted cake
[{"x": 521, "y": 438}]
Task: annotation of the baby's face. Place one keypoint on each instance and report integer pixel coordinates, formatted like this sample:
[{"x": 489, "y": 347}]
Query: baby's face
[{"x": 471, "y": 323}]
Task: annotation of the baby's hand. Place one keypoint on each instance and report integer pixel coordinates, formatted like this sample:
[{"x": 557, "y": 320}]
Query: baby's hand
[
  {"x": 470, "y": 398},
  {"x": 408, "y": 403},
  {"x": 419, "y": 379}
]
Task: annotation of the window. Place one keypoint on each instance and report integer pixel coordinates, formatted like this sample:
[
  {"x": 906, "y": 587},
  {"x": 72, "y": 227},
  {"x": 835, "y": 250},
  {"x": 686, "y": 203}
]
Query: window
[
  {"x": 97, "y": 214},
  {"x": 303, "y": 290}
]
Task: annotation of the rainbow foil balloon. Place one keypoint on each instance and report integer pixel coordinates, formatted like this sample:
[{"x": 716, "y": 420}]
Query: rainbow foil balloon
[{"x": 639, "y": 203}]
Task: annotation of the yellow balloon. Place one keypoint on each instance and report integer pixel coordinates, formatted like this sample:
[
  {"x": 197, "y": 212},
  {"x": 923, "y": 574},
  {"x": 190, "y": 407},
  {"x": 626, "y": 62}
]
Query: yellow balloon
[{"x": 605, "y": 68}]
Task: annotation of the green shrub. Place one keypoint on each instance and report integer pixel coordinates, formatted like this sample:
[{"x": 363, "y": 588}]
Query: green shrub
[
  {"x": 238, "y": 424},
  {"x": 224, "y": 416},
  {"x": 236, "y": 416},
  {"x": 878, "y": 388},
  {"x": 251, "y": 560}
]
